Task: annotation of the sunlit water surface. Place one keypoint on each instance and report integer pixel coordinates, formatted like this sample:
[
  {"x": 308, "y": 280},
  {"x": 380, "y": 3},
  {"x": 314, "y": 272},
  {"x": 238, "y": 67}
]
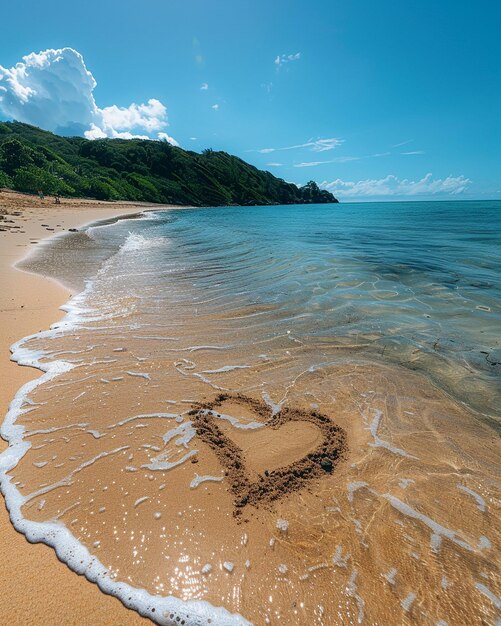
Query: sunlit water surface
[{"x": 385, "y": 317}]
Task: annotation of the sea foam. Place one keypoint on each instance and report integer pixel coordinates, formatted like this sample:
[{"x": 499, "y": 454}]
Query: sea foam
[{"x": 136, "y": 243}]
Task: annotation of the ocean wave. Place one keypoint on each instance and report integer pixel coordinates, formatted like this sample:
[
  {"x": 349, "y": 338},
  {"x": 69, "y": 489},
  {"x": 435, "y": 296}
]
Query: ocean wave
[{"x": 136, "y": 243}]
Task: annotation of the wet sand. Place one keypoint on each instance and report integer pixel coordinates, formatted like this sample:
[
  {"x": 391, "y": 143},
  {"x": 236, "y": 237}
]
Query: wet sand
[
  {"x": 35, "y": 584},
  {"x": 292, "y": 449}
]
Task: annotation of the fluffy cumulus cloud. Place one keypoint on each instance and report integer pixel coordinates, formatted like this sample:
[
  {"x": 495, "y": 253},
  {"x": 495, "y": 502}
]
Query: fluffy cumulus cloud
[
  {"x": 393, "y": 186},
  {"x": 54, "y": 90}
]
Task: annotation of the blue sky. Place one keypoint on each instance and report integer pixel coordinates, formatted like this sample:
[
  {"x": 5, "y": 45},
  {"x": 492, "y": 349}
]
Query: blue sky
[{"x": 373, "y": 99}]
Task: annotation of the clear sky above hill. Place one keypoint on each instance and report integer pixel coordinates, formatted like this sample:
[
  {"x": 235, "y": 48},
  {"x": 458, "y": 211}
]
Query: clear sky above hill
[{"x": 384, "y": 99}]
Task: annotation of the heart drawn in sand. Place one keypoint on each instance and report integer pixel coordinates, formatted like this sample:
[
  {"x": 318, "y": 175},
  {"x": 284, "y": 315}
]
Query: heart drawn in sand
[{"x": 249, "y": 482}]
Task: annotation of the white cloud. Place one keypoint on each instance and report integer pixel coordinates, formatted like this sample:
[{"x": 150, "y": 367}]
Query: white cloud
[
  {"x": 341, "y": 159},
  {"x": 94, "y": 132},
  {"x": 204, "y": 87},
  {"x": 402, "y": 143},
  {"x": 393, "y": 186},
  {"x": 54, "y": 90},
  {"x": 413, "y": 152},
  {"x": 215, "y": 107},
  {"x": 317, "y": 145},
  {"x": 151, "y": 117},
  {"x": 274, "y": 164},
  {"x": 168, "y": 139},
  {"x": 286, "y": 58},
  {"x": 311, "y": 163}
]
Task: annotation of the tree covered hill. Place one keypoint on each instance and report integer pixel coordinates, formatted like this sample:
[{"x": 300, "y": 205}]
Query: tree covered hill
[{"x": 32, "y": 159}]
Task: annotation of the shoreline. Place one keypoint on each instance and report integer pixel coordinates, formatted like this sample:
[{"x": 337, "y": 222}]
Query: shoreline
[
  {"x": 379, "y": 406},
  {"x": 36, "y": 584}
]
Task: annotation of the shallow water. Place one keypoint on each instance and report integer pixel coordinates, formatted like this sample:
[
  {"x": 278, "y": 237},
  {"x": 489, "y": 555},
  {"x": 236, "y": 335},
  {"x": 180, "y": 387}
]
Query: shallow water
[{"x": 384, "y": 317}]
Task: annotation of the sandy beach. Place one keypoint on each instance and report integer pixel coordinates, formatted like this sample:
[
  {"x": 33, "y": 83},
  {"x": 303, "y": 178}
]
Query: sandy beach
[
  {"x": 36, "y": 585},
  {"x": 209, "y": 456}
]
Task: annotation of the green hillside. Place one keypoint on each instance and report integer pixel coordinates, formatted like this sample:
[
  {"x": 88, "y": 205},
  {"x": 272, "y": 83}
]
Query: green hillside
[{"x": 138, "y": 169}]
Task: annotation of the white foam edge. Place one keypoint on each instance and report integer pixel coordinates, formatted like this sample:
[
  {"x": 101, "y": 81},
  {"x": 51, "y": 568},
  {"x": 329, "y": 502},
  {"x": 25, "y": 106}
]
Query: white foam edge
[
  {"x": 135, "y": 242},
  {"x": 234, "y": 421},
  {"x": 54, "y": 534},
  {"x": 87, "y": 228},
  {"x": 275, "y": 407},
  {"x": 137, "y": 215}
]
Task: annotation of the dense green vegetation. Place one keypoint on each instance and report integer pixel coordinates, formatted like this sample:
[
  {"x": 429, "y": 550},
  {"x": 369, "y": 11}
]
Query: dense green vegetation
[{"x": 32, "y": 159}]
